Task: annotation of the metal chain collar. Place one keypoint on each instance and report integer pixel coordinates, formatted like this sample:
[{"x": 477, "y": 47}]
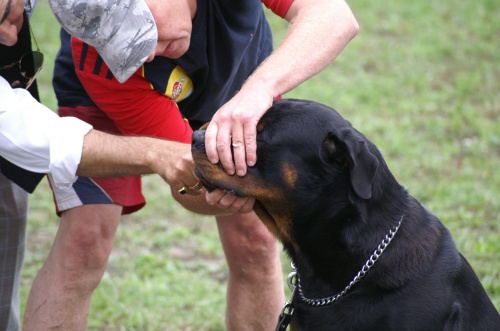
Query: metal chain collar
[{"x": 368, "y": 265}]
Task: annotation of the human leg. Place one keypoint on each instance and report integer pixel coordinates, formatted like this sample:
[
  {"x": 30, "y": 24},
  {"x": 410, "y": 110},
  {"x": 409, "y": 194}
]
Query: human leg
[
  {"x": 255, "y": 293},
  {"x": 13, "y": 221},
  {"x": 61, "y": 293}
]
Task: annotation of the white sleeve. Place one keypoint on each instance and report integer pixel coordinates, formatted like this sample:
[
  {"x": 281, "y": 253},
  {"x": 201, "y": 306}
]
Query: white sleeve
[{"x": 35, "y": 138}]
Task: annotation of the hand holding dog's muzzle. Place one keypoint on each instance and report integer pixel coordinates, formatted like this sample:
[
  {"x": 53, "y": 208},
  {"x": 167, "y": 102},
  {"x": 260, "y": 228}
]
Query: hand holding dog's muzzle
[{"x": 230, "y": 202}]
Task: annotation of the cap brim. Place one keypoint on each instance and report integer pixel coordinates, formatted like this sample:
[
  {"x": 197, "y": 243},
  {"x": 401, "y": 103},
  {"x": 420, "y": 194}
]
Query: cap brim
[
  {"x": 123, "y": 63},
  {"x": 123, "y": 32}
]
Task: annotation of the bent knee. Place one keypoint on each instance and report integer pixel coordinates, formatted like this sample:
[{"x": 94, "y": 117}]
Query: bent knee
[
  {"x": 248, "y": 241},
  {"x": 88, "y": 250},
  {"x": 86, "y": 240}
]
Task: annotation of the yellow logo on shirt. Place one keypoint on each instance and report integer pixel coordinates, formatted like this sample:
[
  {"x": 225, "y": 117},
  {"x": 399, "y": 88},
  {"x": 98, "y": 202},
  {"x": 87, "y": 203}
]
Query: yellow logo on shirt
[{"x": 179, "y": 85}]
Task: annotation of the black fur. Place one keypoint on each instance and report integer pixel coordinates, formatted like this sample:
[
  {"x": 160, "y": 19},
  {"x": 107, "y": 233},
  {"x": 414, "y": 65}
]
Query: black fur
[{"x": 326, "y": 192}]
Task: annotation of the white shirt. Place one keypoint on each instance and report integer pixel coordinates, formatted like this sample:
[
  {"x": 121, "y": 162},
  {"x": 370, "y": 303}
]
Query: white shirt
[{"x": 33, "y": 137}]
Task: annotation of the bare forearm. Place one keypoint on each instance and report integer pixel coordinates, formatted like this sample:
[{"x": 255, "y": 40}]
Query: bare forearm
[
  {"x": 107, "y": 155},
  {"x": 318, "y": 33}
]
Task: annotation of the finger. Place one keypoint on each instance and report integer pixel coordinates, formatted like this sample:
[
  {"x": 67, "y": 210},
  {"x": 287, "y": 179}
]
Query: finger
[
  {"x": 223, "y": 146},
  {"x": 226, "y": 202},
  {"x": 194, "y": 189},
  {"x": 236, "y": 204},
  {"x": 210, "y": 142},
  {"x": 191, "y": 190},
  {"x": 182, "y": 190},
  {"x": 247, "y": 206},
  {"x": 193, "y": 193},
  {"x": 242, "y": 205},
  {"x": 251, "y": 144},
  {"x": 214, "y": 197},
  {"x": 192, "y": 186},
  {"x": 239, "y": 151}
]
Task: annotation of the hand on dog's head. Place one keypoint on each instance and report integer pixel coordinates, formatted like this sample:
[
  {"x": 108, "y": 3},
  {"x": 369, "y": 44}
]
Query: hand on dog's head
[{"x": 305, "y": 151}]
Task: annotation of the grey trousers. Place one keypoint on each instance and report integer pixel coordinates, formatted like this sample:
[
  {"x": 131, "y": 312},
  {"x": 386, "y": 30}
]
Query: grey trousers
[{"x": 13, "y": 221}]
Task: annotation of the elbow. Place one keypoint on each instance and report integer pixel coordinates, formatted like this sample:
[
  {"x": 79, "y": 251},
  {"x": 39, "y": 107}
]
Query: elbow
[
  {"x": 345, "y": 20},
  {"x": 354, "y": 29},
  {"x": 351, "y": 28}
]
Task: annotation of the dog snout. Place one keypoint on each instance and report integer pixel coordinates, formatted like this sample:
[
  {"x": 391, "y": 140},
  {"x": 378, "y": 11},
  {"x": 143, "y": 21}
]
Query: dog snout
[{"x": 198, "y": 140}]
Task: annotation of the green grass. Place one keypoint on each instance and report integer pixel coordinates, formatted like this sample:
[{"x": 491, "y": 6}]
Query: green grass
[{"x": 421, "y": 80}]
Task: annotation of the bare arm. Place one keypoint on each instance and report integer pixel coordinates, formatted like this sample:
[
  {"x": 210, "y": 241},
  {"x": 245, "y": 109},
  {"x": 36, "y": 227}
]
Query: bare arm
[
  {"x": 107, "y": 155},
  {"x": 319, "y": 31}
]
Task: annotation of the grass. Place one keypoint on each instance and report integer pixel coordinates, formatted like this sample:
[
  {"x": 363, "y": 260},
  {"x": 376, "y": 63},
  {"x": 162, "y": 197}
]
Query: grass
[{"x": 421, "y": 80}]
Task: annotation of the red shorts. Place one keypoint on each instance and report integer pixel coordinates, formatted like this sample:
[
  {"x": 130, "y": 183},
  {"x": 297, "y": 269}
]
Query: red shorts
[{"x": 125, "y": 191}]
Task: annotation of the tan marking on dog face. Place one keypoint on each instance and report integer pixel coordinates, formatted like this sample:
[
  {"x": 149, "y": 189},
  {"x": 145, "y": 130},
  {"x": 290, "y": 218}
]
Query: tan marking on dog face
[
  {"x": 247, "y": 185},
  {"x": 261, "y": 126},
  {"x": 277, "y": 220},
  {"x": 272, "y": 206},
  {"x": 290, "y": 174},
  {"x": 204, "y": 126}
]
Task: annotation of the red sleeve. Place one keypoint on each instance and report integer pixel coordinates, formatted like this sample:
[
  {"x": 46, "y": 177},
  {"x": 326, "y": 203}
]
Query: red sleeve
[
  {"x": 134, "y": 106},
  {"x": 279, "y": 7}
]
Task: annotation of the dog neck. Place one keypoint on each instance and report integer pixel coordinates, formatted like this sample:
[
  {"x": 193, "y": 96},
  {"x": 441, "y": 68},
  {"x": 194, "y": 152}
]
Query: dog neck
[{"x": 296, "y": 286}]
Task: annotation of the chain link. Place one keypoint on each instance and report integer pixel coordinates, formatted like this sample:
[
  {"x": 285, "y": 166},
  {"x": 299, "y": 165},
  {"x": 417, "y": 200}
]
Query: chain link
[{"x": 366, "y": 267}]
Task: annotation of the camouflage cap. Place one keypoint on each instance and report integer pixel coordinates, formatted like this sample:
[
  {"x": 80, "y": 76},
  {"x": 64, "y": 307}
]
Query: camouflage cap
[{"x": 123, "y": 31}]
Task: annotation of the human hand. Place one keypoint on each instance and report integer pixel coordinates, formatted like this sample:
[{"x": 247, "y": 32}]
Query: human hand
[
  {"x": 235, "y": 125},
  {"x": 177, "y": 168},
  {"x": 230, "y": 202},
  {"x": 174, "y": 162}
]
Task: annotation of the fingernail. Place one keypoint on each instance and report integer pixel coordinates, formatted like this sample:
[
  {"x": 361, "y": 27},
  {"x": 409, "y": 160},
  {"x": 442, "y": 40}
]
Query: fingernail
[
  {"x": 230, "y": 172},
  {"x": 213, "y": 160},
  {"x": 251, "y": 163},
  {"x": 241, "y": 173}
]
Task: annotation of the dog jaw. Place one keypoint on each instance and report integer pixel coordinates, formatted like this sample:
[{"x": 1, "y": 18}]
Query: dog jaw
[{"x": 271, "y": 206}]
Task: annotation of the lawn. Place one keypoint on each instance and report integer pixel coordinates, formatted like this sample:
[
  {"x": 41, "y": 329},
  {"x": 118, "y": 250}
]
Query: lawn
[{"x": 421, "y": 80}]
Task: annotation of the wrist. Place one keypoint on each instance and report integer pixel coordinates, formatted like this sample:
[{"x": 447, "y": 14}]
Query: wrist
[
  {"x": 152, "y": 155},
  {"x": 265, "y": 84}
]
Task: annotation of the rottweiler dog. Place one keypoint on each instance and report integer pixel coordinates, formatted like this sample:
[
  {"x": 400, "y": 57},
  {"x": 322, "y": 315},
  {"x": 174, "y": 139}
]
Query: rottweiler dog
[{"x": 368, "y": 255}]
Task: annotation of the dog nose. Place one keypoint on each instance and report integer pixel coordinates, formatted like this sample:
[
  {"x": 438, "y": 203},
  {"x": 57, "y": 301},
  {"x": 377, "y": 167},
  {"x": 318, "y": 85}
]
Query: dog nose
[{"x": 198, "y": 140}]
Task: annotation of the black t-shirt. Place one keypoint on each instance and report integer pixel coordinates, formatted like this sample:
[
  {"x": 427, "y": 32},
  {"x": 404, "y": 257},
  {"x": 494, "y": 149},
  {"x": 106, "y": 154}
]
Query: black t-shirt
[{"x": 229, "y": 40}]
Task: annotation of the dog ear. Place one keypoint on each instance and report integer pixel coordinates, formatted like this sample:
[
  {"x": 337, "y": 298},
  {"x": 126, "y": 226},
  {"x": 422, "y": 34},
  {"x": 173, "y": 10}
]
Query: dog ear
[{"x": 362, "y": 163}]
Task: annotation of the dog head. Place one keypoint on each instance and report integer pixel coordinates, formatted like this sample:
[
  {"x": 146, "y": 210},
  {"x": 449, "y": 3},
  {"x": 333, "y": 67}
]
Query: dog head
[{"x": 311, "y": 164}]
